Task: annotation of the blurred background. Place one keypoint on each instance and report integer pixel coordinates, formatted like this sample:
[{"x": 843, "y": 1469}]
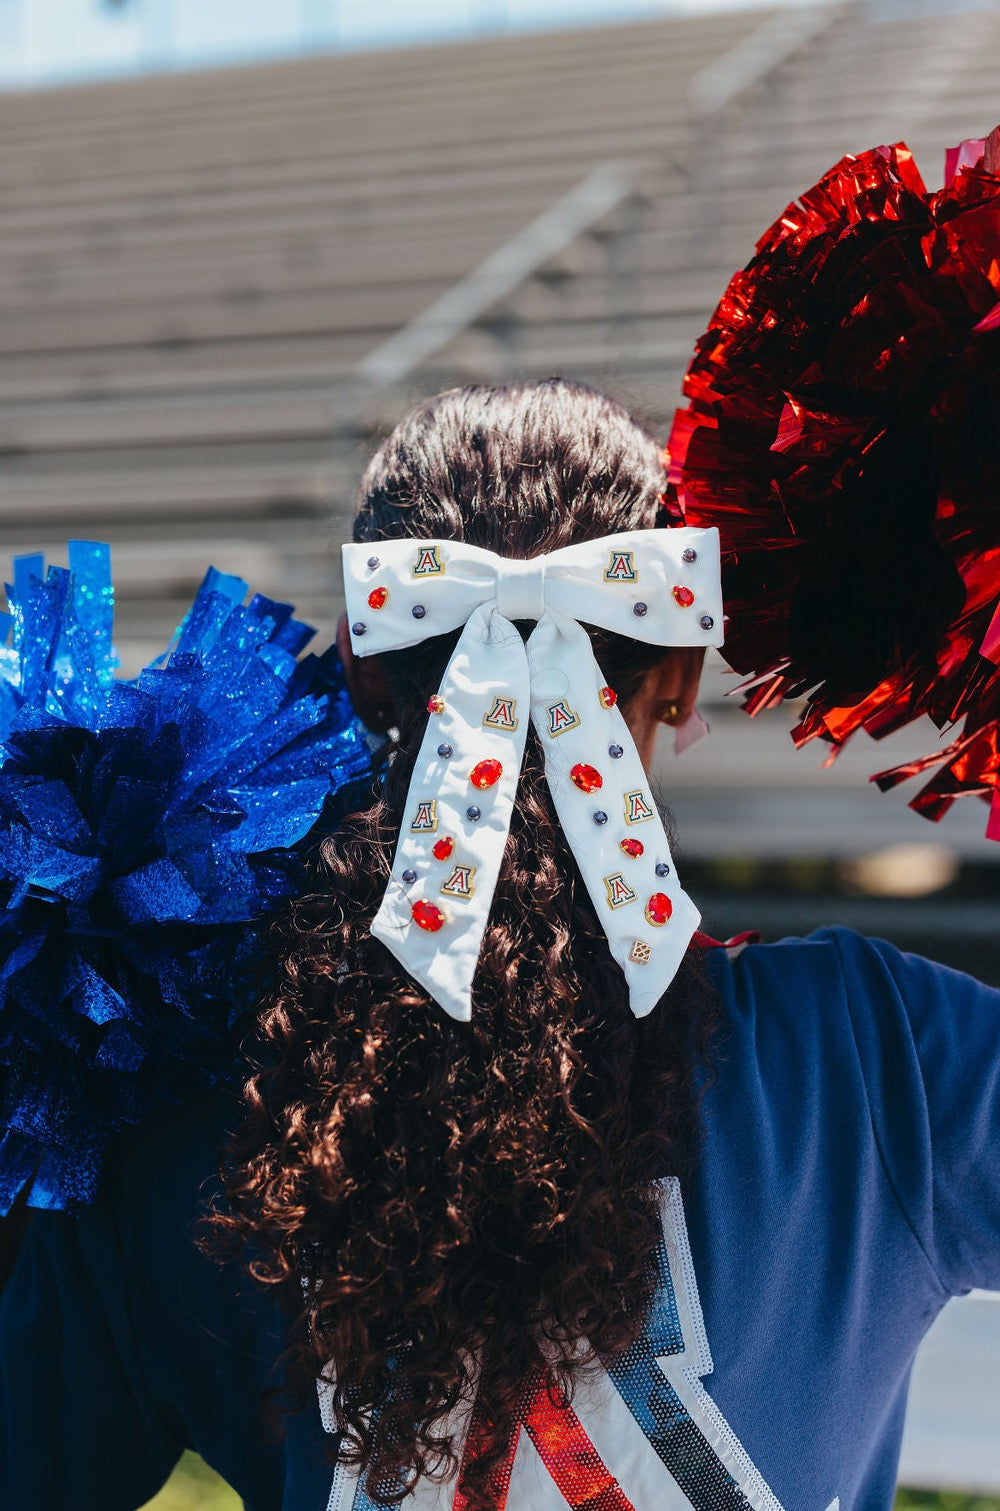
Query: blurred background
[{"x": 240, "y": 237}]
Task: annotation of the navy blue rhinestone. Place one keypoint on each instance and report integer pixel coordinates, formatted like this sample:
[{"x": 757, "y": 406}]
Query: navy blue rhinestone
[
  {"x": 473, "y": 813},
  {"x": 639, "y": 609},
  {"x": 446, "y": 751},
  {"x": 615, "y": 752},
  {"x": 418, "y": 611},
  {"x": 662, "y": 869},
  {"x": 373, "y": 562},
  {"x": 358, "y": 628},
  {"x": 707, "y": 622},
  {"x": 600, "y": 817},
  {"x": 409, "y": 877},
  {"x": 689, "y": 555}
]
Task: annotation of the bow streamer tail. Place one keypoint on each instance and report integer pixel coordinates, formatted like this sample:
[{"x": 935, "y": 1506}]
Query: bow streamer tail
[
  {"x": 611, "y": 820},
  {"x": 454, "y": 830}
]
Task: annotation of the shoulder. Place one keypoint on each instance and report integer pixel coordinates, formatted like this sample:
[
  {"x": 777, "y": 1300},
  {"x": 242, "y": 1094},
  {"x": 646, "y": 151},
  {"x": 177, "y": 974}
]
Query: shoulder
[{"x": 835, "y": 977}]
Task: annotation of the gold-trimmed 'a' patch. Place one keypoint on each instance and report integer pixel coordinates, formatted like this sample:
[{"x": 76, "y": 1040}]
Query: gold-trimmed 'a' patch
[
  {"x": 425, "y": 820},
  {"x": 618, "y": 890},
  {"x": 561, "y": 717},
  {"x": 502, "y": 714},
  {"x": 621, "y": 567},
  {"x": 638, "y": 808},
  {"x": 461, "y": 882},
  {"x": 428, "y": 562}
]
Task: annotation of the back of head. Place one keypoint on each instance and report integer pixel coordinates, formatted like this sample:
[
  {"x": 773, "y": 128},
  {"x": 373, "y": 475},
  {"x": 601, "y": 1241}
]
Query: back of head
[{"x": 461, "y": 1200}]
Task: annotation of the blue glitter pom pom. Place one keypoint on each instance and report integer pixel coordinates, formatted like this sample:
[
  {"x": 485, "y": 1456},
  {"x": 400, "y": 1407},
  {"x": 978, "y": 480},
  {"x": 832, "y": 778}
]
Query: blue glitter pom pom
[{"x": 147, "y": 828}]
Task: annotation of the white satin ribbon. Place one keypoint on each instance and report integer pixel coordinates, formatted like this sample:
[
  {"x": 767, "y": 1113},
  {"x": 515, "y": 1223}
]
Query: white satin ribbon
[{"x": 659, "y": 586}]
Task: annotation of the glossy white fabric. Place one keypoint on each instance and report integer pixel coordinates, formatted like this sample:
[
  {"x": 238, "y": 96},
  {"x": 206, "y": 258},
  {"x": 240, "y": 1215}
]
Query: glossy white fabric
[{"x": 554, "y": 679}]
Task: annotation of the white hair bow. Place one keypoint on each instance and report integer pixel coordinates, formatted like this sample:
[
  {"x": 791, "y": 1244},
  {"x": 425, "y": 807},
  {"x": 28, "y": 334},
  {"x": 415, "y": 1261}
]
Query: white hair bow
[{"x": 659, "y": 586}]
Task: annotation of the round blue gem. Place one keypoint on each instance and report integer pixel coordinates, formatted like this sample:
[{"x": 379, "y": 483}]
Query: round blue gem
[
  {"x": 662, "y": 869},
  {"x": 358, "y": 628},
  {"x": 689, "y": 555},
  {"x": 615, "y": 752},
  {"x": 473, "y": 813},
  {"x": 409, "y": 876},
  {"x": 418, "y": 611},
  {"x": 446, "y": 751},
  {"x": 600, "y": 817},
  {"x": 373, "y": 562},
  {"x": 707, "y": 622},
  {"x": 639, "y": 609}
]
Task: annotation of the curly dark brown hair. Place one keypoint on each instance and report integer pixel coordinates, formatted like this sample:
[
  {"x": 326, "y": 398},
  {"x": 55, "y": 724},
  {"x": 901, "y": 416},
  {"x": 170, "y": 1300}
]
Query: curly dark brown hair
[{"x": 445, "y": 1205}]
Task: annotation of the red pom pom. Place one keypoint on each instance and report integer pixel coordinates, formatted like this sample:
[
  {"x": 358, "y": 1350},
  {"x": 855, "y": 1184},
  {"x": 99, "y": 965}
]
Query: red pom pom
[{"x": 843, "y": 431}]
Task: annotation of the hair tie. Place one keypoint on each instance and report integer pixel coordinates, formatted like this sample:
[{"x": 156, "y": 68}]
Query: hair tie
[{"x": 658, "y": 586}]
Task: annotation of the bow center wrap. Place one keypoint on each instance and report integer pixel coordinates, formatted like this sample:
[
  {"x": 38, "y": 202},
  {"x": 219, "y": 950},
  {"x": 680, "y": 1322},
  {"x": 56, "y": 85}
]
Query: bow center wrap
[
  {"x": 521, "y": 587},
  {"x": 658, "y": 586}
]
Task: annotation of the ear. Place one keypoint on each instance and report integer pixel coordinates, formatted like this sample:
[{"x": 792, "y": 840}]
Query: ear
[
  {"x": 673, "y": 684},
  {"x": 367, "y": 687}
]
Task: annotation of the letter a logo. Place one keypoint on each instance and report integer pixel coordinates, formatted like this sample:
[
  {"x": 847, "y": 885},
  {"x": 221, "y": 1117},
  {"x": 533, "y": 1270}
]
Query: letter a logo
[
  {"x": 428, "y": 562},
  {"x": 637, "y": 807},
  {"x": 562, "y": 717},
  {"x": 503, "y": 714},
  {"x": 425, "y": 820},
  {"x": 460, "y": 882},
  {"x": 621, "y": 568},
  {"x": 618, "y": 890}
]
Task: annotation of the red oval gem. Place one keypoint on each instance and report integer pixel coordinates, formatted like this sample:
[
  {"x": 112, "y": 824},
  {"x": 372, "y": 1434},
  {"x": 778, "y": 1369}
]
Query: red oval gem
[
  {"x": 377, "y": 598},
  {"x": 435, "y": 704},
  {"x": 684, "y": 597},
  {"x": 608, "y": 697},
  {"x": 633, "y": 847},
  {"x": 587, "y": 778},
  {"x": 485, "y": 773},
  {"x": 443, "y": 848},
  {"x": 427, "y": 916},
  {"x": 659, "y": 908}
]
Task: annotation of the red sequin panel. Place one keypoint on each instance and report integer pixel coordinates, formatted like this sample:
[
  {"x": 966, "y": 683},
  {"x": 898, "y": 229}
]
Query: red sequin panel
[
  {"x": 562, "y": 1444},
  {"x": 571, "y": 1458}
]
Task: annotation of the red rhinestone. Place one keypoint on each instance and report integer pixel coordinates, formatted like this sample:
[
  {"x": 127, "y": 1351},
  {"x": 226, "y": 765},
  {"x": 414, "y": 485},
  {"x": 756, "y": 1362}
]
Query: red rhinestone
[
  {"x": 444, "y": 847},
  {"x": 435, "y": 704},
  {"x": 485, "y": 773},
  {"x": 684, "y": 597},
  {"x": 587, "y": 778},
  {"x": 427, "y": 916},
  {"x": 377, "y": 598},
  {"x": 633, "y": 847},
  {"x": 659, "y": 908},
  {"x": 608, "y": 697}
]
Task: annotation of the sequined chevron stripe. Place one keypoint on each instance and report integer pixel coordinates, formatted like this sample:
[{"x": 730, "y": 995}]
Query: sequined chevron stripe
[{"x": 577, "y": 1469}]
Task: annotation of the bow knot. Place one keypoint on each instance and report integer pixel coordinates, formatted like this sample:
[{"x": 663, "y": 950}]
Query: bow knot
[
  {"x": 658, "y": 586},
  {"x": 521, "y": 587}
]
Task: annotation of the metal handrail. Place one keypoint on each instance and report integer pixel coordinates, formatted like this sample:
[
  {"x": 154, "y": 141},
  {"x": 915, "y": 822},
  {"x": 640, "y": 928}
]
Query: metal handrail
[
  {"x": 504, "y": 270},
  {"x": 752, "y": 60},
  {"x": 610, "y": 185}
]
